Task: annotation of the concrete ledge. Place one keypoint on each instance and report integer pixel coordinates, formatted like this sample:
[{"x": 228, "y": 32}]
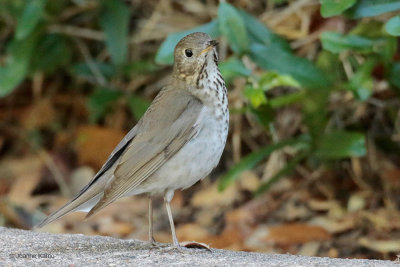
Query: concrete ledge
[{"x": 27, "y": 248}]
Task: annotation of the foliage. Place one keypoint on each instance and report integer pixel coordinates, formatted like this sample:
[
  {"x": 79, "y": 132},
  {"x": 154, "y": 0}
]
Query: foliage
[
  {"x": 315, "y": 83},
  {"x": 38, "y": 45}
]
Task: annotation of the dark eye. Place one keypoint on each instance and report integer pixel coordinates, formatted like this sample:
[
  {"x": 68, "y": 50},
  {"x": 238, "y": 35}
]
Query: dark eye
[{"x": 188, "y": 53}]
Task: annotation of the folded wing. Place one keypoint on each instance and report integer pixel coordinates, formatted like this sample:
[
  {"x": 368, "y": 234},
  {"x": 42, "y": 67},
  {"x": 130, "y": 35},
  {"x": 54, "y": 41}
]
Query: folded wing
[{"x": 149, "y": 150}]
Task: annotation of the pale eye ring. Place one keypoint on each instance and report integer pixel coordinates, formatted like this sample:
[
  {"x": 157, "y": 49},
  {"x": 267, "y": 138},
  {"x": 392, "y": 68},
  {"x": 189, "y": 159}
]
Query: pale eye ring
[{"x": 188, "y": 53}]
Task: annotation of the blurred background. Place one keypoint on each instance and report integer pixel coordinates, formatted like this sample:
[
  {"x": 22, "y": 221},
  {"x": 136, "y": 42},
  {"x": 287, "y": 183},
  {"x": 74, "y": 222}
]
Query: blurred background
[{"x": 312, "y": 162}]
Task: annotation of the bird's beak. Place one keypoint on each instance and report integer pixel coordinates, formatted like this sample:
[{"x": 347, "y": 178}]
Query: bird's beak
[{"x": 211, "y": 45}]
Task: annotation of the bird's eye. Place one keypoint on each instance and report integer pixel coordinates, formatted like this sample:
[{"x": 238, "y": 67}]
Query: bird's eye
[{"x": 188, "y": 53}]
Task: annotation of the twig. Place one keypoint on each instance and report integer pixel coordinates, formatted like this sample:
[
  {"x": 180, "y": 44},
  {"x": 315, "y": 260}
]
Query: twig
[
  {"x": 55, "y": 171},
  {"x": 77, "y": 32},
  {"x": 92, "y": 66}
]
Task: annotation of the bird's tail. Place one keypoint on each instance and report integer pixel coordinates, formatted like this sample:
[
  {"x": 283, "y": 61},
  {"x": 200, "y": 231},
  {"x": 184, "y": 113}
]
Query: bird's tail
[{"x": 83, "y": 201}]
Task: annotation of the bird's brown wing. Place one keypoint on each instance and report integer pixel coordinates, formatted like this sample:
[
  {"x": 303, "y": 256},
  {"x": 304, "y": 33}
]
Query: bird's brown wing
[{"x": 149, "y": 150}]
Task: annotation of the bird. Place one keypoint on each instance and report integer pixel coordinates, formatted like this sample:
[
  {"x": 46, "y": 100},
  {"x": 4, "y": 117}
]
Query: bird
[{"x": 178, "y": 141}]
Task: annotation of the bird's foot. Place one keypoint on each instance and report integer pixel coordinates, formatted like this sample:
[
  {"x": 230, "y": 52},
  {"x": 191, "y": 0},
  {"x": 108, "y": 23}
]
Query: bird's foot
[
  {"x": 152, "y": 242},
  {"x": 150, "y": 245}
]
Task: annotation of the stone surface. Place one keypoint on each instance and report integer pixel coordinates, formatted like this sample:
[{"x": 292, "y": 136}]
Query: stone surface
[{"x": 29, "y": 248}]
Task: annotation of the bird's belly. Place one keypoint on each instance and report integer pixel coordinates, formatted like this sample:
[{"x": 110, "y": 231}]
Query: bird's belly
[{"x": 193, "y": 162}]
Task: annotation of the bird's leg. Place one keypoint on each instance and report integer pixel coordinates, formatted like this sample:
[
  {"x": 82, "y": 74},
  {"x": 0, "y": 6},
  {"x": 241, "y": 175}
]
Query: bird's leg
[
  {"x": 171, "y": 222},
  {"x": 167, "y": 199},
  {"x": 152, "y": 241}
]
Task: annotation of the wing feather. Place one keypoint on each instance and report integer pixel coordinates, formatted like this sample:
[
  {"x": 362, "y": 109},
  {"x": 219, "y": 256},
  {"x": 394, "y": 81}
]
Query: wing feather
[{"x": 149, "y": 150}]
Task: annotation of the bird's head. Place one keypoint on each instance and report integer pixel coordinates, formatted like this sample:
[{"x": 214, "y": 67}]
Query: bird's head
[{"x": 194, "y": 52}]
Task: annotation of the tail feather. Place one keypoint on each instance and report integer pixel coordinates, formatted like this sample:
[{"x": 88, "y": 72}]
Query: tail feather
[
  {"x": 85, "y": 200},
  {"x": 71, "y": 206}
]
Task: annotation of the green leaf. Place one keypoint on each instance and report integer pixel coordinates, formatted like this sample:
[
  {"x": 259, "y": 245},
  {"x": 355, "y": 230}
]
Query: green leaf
[
  {"x": 165, "y": 54},
  {"x": 99, "y": 102},
  {"x": 138, "y": 106},
  {"x": 284, "y": 62},
  {"x": 394, "y": 75},
  {"x": 393, "y": 26},
  {"x": 140, "y": 67},
  {"x": 314, "y": 105},
  {"x": 17, "y": 62},
  {"x": 341, "y": 144},
  {"x": 232, "y": 27},
  {"x": 331, "y": 65},
  {"x": 335, "y": 7},
  {"x": 255, "y": 95},
  {"x": 83, "y": 69},
  {"x": 361, "y": 83},
  {"x": 336, "y": 42},
  {"x": 286, "y": 100},
  {"x": 259, "y": 33},
  {"x": 114, "y": 20},
  {"x": 52, "y": 52},
  {"x": 369, "y": 8},
  {"x": 31, "y": 16},
  {"x": 264, "y": 114},
  {"x": 11, "y": 75},
  {"x": 253, "y": 159},
  {"x": 273, "y": 79},
  {"x": 386, "y": 48},
  {"x": 232, "y": 68}
]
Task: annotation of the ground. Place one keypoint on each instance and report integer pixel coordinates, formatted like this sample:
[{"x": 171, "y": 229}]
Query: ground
[{"x": 21, "y": 247}]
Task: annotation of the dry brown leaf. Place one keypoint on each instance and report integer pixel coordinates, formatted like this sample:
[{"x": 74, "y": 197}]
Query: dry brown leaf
[
  {"x": 249, "y": 181},
  {"x": 162, "y": 237},
  {"x": 276, "y": 161},
  {"x": 245, "y": 218},
  {"x": 334, "y": 226},
  {"x": 357, "y": 201},
  {"x": 211, "y": 197},
  {"x": 333, "y": 253},
  {"x": 110, "y": 227},
  {"x": 94, "y": 144},
  {"x": 322, "y": 205},
  {"x": 40, "y": 114},
  {"x": 192, "y": 231},
  {"x": 294, "y": 209},
  {"x": 383, "y": 246},
  {"x": 195, "y": 245},
  {"x": 383, "y": 219},
  {"x": 290, "y": 234},
  {"x": 9, "y": 212},
  {"x": 239, "y": 216},
  {"x": 21, "y": 190},
  {"x": 22, "y": 175},
  {"x": 309, "y": 249},
  {"x": 392, "y": 176},
  {"x": 18, "y": 167},
  {"x": 256, "y": 242},
  {"x": 206, "y": 217},
  {"x": 229, "y": 239}
]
